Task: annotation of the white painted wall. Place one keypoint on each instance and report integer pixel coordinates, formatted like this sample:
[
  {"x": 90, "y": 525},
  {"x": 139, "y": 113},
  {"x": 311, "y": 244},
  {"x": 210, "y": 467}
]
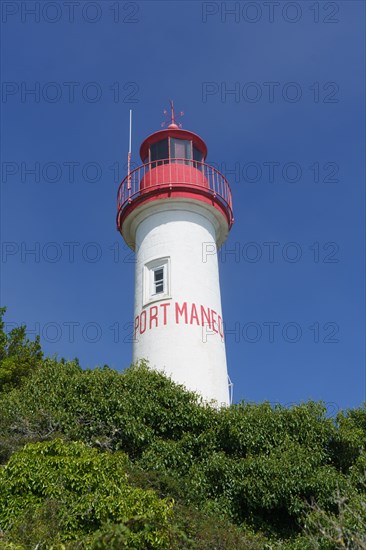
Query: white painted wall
[{"x": 186, "y": 232}]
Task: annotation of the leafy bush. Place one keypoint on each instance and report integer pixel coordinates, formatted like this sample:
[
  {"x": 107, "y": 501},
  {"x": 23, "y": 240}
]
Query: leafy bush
[
  {"x": 81, "y": 490},
  {"x": 18, "y": 355},
  {"x": 105, "y": 408}
]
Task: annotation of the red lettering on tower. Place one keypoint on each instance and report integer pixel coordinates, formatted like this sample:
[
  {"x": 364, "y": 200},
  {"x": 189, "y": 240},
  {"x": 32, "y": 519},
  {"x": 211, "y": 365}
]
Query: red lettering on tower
[
  {"x": 142, "y": 322},
  {"x": 205, "y": 317},
  {"x": 137, "y": 322},
  {"x": 221, "y": 328},
  {"x": 153, "y": 316},
  {"x": 164, "y": 306},
  {"x": 194, "y": 315},
  {"x": 213, "y": 320},
  {"x": 181, "y": 311}
]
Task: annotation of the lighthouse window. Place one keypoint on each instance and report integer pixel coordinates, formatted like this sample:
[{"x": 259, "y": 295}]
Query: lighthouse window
[
  {"x": 159, "y": 151},
  {"x": 180, "y": 148},
  {"x": 158, "y": 280}
]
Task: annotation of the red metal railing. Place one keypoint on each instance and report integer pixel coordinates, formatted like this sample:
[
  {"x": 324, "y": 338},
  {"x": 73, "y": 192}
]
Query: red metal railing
[{"x": 201, "y": 177}]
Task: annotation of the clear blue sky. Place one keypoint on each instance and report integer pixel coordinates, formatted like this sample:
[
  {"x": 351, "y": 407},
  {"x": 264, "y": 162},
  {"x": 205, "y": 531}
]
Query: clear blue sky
[{"x": 293, "y": 131}]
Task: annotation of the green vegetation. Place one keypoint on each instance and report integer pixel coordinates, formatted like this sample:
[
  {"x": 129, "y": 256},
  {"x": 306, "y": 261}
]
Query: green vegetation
[{"x": 97, "y": 459}]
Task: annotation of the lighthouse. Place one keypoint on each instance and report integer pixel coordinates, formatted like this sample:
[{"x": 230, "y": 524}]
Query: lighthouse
[{"x": 175, "y": 211}]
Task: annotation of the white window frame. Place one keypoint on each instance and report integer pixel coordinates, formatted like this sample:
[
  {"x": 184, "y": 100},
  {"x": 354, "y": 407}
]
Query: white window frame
[{"x": 149, "y": 294}]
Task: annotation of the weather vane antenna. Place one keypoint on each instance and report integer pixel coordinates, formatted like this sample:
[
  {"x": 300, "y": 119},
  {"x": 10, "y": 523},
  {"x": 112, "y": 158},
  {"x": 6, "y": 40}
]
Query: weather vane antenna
[{"x": 172, "y": 118}]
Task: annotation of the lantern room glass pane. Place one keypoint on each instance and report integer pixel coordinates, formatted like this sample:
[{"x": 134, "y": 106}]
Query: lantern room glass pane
[
  {"x": 180, "y": 149},
  {"x": 159, "y": 151},
  {"x": 197, "y": 156}
]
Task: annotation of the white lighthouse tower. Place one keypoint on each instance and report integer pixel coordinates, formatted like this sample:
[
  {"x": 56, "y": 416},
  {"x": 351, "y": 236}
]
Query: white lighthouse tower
[{"x": 175, "y": 211}]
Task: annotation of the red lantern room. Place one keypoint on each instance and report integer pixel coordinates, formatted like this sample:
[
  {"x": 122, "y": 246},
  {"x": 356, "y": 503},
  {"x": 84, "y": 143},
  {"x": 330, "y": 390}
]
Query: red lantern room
[{"x": 173, "y": 167}]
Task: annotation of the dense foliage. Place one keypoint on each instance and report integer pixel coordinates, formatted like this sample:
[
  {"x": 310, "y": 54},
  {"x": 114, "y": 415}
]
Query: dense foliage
[
  {"x": 18, "y": 355},
  {"x": 101, "y": 459}
]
